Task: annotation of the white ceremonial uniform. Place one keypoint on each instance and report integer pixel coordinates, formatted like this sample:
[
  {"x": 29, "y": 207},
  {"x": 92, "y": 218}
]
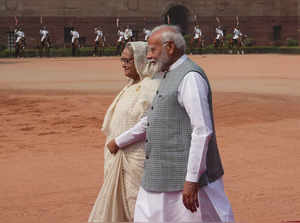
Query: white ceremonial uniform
[
  {"x": 128, "y": 34},
  {"x": 197, "y": 33},
  {"x": 44, "y": 34},
  {"x": 147, "y": 33},
  {"x": 75, "y": 35},
  {"x": 99, "y": 34},
  {"x": 19, "y": 35},
  {"x": 121, "y": 35},
  {"x": 236, "y": 33},
  {"x": 219, "y": 33},
  {"x": 168, "y": 206}
]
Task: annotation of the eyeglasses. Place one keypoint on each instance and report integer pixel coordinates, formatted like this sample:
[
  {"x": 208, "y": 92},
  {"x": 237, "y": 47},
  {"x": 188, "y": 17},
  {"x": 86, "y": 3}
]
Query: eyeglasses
[{"x": 126, "y": 60}]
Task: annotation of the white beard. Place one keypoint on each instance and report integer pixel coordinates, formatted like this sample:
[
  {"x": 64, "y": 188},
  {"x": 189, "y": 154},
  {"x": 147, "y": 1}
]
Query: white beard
[{"x": 157, "y": 65}]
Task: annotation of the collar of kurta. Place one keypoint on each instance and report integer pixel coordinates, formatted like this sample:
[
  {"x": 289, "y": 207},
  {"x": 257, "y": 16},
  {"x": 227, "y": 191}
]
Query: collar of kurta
[{"x": 178, "y": 62}]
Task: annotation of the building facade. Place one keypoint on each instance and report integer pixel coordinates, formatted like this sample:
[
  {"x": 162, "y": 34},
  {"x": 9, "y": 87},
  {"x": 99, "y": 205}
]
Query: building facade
[{"x": 266, "y": 21}]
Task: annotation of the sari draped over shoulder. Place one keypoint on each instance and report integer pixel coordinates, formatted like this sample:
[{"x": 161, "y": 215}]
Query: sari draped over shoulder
[{"x": 123, "y": 170}]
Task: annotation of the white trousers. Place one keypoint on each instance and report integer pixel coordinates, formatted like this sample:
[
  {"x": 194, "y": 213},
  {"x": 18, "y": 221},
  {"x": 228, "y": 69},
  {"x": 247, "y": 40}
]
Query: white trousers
[
  {"x": 43, "y": 38},
  {"x": 219, "y": 36},
  {"x": 97, "y": 38},
  {"x": 197, "y": 36},
  {"x": 214, "y": 206},
  {"x": 73, "y": 39},
  {"x": 18, "y": 39}
]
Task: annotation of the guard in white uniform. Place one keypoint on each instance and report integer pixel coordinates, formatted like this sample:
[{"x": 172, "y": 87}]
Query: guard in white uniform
[
  {"x": 236, "y": 33},
  {"x": 75, "y": 41},
  {"x": 99, "y": 34},
  {"x": 219, "y": 33},
  {"x": 44, "y": 33},
  {"x": 99, "y": 41},
  {"x": 147, "y": 33},
  {"x": 75, "y": 35},
  {"x": 120, "y": 41},
  {"x": 20, "y": 41},
  {"x": 20, "y": 35},
  {"x": 45, "y": 40},
  {"x": 219, "y": 41},
  {"x": 197, "y": 39},
  {"x": 128, "y": 34},
  {"x": 197, "y": 33},
  {"x": 237, "y": 40},
  {"x": 120, "y": 36}
]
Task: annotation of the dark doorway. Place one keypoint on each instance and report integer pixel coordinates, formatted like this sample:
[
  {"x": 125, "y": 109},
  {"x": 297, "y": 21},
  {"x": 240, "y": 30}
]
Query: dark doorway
[
  {"x": 276, "y": 33},
  {"x": 178, "y": 16},
  {"x": 67, "y": 34}
]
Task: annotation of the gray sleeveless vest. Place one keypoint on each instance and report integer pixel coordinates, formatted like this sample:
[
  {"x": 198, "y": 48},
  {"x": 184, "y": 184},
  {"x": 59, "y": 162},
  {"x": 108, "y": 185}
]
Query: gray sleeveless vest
[{"x": 168, "y": 137}]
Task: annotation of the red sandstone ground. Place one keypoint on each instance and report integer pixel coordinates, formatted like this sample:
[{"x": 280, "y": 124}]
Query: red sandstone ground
[{"x": 51, "y": 149}]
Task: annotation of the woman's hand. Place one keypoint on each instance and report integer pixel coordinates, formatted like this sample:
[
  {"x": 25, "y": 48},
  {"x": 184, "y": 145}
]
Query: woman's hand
[{"x": 113, "y": 147}]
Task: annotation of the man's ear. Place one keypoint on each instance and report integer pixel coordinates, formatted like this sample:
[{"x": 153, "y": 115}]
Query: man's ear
[{"x": 171, "y": 47}]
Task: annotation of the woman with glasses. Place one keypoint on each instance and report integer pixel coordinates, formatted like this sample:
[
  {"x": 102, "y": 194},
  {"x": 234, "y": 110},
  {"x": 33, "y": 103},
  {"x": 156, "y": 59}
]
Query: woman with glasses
[{"x": 123, "y": 169}]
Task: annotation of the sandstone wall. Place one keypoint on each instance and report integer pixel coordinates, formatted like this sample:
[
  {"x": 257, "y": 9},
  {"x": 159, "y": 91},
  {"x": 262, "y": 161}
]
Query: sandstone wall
[{"x": 257, "y": 17}]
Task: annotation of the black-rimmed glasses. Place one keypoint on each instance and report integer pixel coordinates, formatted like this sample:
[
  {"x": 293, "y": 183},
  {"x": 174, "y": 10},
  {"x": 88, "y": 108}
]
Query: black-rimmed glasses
[{"x": 126, "y": 60}]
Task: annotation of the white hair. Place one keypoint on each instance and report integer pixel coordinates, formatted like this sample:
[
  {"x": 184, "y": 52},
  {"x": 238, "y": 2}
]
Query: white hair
[{"x": 172, "y": 34}]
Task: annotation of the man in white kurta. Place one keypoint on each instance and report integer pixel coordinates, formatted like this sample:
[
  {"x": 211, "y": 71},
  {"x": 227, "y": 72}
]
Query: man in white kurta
[{"x": 211, "y": 204}]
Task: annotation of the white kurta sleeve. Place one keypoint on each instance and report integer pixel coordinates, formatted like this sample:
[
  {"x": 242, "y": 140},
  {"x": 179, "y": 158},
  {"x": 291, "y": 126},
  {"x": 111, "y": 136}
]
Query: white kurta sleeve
[
  {"x": 135, "y": 134},
  {"x": 192, "y": 95}
]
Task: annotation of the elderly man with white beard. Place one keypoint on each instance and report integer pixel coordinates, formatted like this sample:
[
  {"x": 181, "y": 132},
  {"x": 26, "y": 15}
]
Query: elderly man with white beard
[{"x": 182, "y": 180}]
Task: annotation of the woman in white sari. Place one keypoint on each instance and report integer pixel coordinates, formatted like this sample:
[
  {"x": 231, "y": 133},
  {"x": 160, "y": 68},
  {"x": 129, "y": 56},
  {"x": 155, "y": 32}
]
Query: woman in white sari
[{"x": 123, "y": 170}]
